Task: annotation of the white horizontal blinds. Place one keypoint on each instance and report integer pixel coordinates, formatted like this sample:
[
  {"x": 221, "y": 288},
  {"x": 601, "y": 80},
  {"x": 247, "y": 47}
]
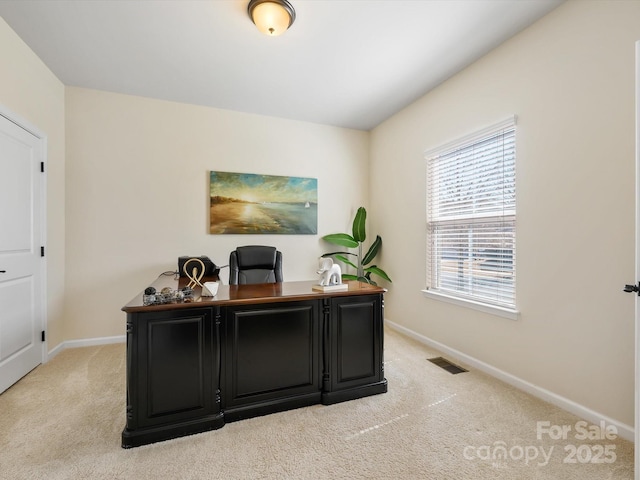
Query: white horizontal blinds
[
  {"x": 471, "y": 217},
  {"x": 476, "y": 261}
]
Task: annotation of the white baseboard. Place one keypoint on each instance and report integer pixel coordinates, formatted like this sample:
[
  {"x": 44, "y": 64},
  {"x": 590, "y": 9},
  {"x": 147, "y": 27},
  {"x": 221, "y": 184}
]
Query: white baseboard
[
  {"x": 624, "y": 431},
  {"x": 54, "y": 351},
  {"x": 87, "y": 342}
]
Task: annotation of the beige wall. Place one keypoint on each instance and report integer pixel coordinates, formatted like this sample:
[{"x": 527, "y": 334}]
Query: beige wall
[
  {"x": 137, "y": 193},
  {"x": 570, "y": 80},
  {"x": 29, "y": 90}
]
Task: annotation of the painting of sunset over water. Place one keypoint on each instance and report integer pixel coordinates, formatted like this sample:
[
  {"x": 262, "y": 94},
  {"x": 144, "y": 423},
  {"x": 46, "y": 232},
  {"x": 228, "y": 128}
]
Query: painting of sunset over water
[{"x": 252, "y": 203}]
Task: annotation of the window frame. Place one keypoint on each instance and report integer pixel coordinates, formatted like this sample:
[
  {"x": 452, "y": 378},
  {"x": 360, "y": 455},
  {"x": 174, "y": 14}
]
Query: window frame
[{"x": 450, "y": 295}]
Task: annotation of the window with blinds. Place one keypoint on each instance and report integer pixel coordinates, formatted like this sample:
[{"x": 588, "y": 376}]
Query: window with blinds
[{"x": 471, "y": 217}]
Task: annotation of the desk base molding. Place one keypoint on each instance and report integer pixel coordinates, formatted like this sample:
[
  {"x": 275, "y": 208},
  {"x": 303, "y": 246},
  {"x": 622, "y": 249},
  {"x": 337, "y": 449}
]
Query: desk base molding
[
  {"x": 144, "y": 436},
  {"x": 329, "y": 398},
  {"x": 265, "y": 408}
]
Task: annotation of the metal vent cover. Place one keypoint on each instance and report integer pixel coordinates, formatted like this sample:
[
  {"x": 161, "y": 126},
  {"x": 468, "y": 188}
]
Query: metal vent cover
[{"x": 447, "y": 365}]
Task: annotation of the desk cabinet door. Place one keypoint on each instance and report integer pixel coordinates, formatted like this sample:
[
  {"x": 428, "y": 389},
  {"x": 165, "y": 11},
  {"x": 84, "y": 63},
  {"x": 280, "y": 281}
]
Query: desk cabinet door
[
  {"x": 173, "y": 375},
  {"x": 272, "y": 356},
  {"x": 355, "y": 339}
]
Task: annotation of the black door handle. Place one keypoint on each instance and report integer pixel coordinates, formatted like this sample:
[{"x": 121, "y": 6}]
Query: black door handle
[
  {"x": 3, "y": 271},
  {"x": 632, "y": 288}
]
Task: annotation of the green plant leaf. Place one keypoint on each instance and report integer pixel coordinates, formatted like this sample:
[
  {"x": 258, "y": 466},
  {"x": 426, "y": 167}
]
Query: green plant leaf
[
  {"x": 348, "y": 276},
  {"x": 346, "y": 260},
  {"x": 378, "y": 271},
  {"x": 342, "y": 239},
  {"x": 373, "y": 251},
  {"x": 359, "y": 233}
]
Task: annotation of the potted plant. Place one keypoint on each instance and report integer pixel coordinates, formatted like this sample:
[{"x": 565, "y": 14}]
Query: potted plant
[{"x": 356, "y": 240}]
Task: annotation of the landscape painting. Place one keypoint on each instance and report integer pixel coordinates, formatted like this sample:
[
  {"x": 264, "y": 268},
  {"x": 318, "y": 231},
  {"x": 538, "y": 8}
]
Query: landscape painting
[{"x": 251, "y": 203}]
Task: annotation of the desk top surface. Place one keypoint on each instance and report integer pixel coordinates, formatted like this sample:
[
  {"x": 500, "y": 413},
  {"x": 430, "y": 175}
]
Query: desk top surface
[{"x": 245, "y": 294}]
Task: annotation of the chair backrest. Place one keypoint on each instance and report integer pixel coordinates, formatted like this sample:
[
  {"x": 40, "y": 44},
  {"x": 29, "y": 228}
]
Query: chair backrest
[{"x": 255, "y": 264}]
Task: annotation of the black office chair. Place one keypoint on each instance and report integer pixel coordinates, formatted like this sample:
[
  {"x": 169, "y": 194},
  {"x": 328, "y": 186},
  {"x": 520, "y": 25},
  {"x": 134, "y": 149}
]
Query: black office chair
[{"x": 255, "y": 264}]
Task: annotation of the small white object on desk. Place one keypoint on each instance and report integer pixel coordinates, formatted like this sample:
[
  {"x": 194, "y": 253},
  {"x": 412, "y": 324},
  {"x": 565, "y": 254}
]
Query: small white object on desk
[
  {"x": 331, "y": 288},
  {"x": 330, "y": 276},
  {"x": 210, "y": 289},
  {"x": 330, "y": 273}
]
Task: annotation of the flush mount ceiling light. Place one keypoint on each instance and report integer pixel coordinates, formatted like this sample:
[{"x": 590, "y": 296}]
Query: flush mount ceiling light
[{"x": 272, "y": 17}]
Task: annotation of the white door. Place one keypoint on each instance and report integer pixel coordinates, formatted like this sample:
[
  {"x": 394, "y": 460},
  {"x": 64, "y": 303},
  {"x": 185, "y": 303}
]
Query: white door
[{"x": 21, "y": 263}]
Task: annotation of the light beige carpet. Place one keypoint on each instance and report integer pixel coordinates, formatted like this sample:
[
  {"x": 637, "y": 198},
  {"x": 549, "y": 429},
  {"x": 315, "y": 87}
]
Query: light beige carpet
[{"x": 64, "y": 419}]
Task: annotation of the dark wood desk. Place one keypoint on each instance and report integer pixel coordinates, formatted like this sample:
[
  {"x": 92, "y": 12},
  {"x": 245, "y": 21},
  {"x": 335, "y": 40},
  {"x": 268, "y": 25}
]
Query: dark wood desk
[{"x": 250, "y": 350}]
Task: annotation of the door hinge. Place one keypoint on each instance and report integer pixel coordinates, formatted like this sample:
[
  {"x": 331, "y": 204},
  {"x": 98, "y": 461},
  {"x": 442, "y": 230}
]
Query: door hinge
[
  {"x": 42, "y": 251},
  {"x": 43, "y": 336}
]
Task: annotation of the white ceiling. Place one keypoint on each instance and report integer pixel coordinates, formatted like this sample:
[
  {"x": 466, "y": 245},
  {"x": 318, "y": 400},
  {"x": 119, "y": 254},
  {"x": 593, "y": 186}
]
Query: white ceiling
[{"x": 348, "y": 63}]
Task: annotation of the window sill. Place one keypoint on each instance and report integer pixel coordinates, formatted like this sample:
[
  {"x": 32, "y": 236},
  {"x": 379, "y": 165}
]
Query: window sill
[{"x": 482, "y": 307}]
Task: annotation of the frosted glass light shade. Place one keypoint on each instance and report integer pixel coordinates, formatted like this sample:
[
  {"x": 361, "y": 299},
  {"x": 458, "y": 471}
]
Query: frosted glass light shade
[{"x": 272, "y": 17}]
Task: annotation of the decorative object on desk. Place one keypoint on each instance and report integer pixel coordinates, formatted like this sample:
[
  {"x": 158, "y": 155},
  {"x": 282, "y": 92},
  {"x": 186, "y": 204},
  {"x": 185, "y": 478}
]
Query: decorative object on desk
[
  {"x": 330, "y": 273},
  {"x": 210, "y": 289},
  {"x": 249, "y": 203},
  {"x": 210, "y": 268},
  {"x": 363, "y": 272},
  {"x": 330, "y": 276},
  {"x": 196, "y": 273},
  {"x": 149, "y": 296},
  {"x": 166, "y": 295},
  {"x": 187, "y": 293}
]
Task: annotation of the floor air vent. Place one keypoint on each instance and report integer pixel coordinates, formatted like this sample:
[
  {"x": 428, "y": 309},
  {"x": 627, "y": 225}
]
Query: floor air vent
[{"x": 447, "y": 365}]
